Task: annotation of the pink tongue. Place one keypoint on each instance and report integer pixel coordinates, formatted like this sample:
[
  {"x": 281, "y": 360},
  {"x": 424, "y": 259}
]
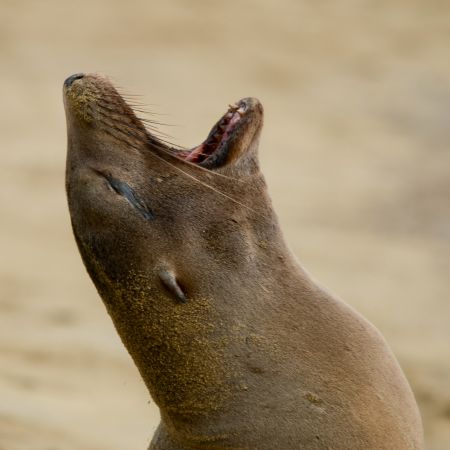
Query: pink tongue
[
  {"x": 194, "y": 154},
  {"x": 234, "y": 120}
]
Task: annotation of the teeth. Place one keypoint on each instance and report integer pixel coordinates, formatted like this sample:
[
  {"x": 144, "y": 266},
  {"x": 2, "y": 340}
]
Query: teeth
[{"x": 235, "y": 108}]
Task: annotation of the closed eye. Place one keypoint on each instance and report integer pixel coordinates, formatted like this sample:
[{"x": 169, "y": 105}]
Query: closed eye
[{"x": 126, "y": 191}]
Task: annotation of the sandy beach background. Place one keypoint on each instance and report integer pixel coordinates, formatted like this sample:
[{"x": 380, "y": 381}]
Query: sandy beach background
[{"x": 355, "y": 149}]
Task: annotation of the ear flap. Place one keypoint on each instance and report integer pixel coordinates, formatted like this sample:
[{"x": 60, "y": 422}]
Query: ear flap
[{"x": 170, "y": 282}]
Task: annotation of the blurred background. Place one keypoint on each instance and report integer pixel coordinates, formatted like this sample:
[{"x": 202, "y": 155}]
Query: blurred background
[{"x": 355, "y": 150}]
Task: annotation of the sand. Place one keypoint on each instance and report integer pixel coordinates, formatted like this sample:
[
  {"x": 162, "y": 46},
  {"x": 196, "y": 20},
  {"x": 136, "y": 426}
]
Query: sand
[{"x": 355, "y": 149}]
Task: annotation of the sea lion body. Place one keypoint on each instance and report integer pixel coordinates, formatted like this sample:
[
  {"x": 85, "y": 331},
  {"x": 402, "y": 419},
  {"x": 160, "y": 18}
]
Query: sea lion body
[{"x": 238, "y": 346}]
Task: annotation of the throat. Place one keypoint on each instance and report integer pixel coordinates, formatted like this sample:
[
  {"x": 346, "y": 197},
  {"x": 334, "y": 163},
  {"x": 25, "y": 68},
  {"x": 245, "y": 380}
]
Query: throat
[{"x": 178, "y": 350}]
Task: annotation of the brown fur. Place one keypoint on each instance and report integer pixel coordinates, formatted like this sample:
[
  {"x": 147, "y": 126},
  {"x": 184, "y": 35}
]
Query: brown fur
[{"x": 259, "y": 356}]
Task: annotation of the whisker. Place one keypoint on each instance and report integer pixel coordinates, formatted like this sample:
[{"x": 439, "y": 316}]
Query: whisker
[
  {"x": 131, "y": 113},
  {"x": 212, "y": 188},
  {"x": 151, "y": 136}
]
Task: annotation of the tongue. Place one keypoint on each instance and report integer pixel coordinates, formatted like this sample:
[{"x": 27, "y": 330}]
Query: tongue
[
  {"x": 196, "y": 153},
  {"x": 208, "y": 147}
]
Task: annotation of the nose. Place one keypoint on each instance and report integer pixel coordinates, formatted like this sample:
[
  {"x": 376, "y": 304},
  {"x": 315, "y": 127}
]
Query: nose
[{"x": 72, "y": 78}]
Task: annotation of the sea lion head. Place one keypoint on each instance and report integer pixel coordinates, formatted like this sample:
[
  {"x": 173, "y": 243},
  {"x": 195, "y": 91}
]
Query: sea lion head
[
  {"x": 160, "y": 229},
  {"x": 139, "y": 205}
]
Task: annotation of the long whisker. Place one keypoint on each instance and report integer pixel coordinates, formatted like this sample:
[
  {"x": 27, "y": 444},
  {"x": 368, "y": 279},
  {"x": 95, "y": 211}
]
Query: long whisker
[
  {"x": 212, "y": 188},
  {"x": 107, "y": 106},
  {"x": 153, "y": 137}
]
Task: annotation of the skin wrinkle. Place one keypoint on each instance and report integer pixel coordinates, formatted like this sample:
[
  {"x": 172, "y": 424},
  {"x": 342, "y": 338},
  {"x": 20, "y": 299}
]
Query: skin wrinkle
[{"x": 259, "y": 356}]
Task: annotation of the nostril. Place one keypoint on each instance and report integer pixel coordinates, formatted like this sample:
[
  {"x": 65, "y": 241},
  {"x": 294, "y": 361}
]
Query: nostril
[{"x": 72, "y": 78}]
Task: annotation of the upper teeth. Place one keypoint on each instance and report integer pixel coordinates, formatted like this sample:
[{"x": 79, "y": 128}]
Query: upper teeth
[{"x": 236, "y": 108}]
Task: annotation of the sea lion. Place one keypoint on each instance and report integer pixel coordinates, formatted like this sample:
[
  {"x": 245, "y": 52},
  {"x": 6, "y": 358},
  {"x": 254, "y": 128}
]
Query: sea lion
[{"x": 238, "y": 346}]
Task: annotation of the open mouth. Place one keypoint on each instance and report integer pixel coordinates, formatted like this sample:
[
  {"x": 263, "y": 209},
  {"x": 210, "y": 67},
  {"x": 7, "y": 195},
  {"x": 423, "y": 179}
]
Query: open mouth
[
  {"x": 94, "y": 100},
  {"x": 214, "y": 150}
]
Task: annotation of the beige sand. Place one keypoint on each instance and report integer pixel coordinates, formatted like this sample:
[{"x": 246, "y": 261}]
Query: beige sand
[{"x": 357, "y": 94}]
